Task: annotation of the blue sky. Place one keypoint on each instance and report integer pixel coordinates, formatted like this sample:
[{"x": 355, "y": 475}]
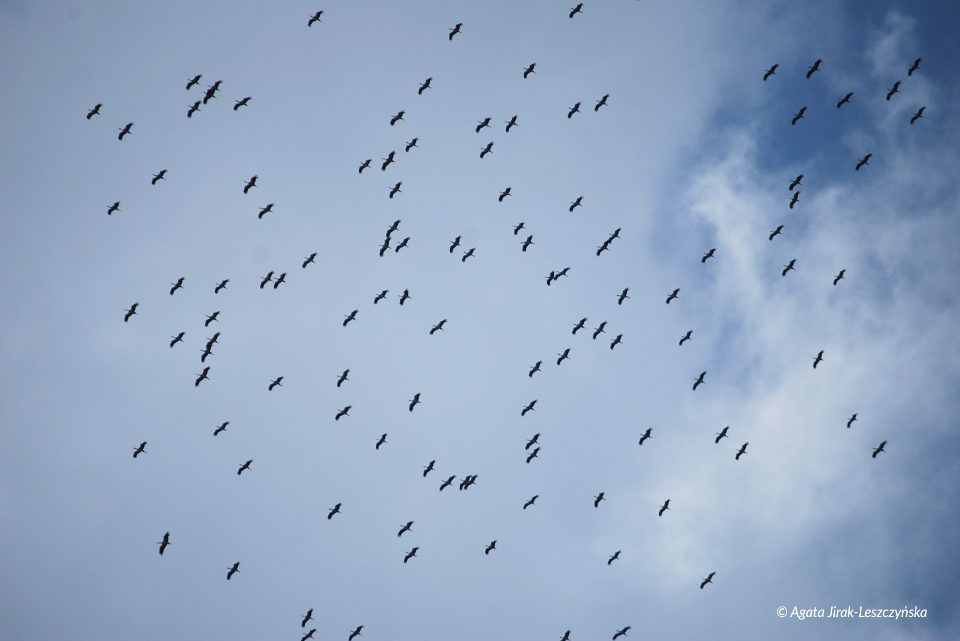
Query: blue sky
[{"x": 692, "y": 151}]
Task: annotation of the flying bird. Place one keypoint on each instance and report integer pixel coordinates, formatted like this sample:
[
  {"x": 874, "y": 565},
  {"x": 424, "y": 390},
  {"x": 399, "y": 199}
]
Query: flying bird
[
  {"x": 176, "y": 339},
  {"x": 112, "y": 208},
  {"x": 863, "y": 161},
  {"x": 622, "y": 632},
  {"x": 405, "y": 528},
  {"x": 401, "y": 245},
  {"x": 511, "y": 123},
  {"x": 379, "y": 297},
  {"x": 308, "y": 635},
  {"x": 707, "y": 580},
  {"x": 577, "y": 9},
  {"x": 245, "y": 466},
  {"x": 528, "y": 408},
  {"x": 579, "y": 325},
  {"x": 914, "y": 66},
  {"x": 796, "y": 197},
  {"x": 565, "y": 354},
  {"x": 395, "y": 189},
  {"x": 566, "y": 636},
  {"x": 686, "y": 336},
  {"x": 398, "y": 117},
  {"x": 307, "y": 617},
  {"x": 599, "y": 329},
  {"x": 387, "y": 161},
  {"x": 250, "y": 184},
  {"x": 836, "y": 279},
  {"x": 795, "y": 182},
  {"x": 917, "y": 115},
  {"x": 221, "y": 428},
  {"x": 130, "y": 312},
  {"x": 844, "y": 100},
  {"x": 467, "y": 254},
  {"x": 438, "y": 327},
  {"x": 351, "y": 316},
  {"x": 534, "y": 369},
  {"x": 674, "y": 294},
  {"x": 211, "y": 318},
  {"x": 647, "y": 434},
  {"x": 241, "y": 103},
  {"x": 194, "y": 108},
  {"x": 879, "y": 449},
  {"x": 574, "y": 109},
  {"x": 664, "y": 507},
  {"x": 411, "y": 145},
  {"x": 623, "y": 296},
  {"x": 385, "y": 246},
  {"x": 788, "y": 266},
  {"x": 613, "y": 557},
  {"x": 414, "y": 401},
  {"x": 482, "y": 123},
  {"x": 576, "y": 203},
  {"x": 709, "y": 254},
  {"x": 381, "y": 441},
  {"x": 424, "y": 86},
  {"x": 814, "y": 67},
  {"x": 741, "y": 451},
  {"x": 770, "y": 72},
  {"x": 276, "y": 382},
  {"x": 504, "y": 193},
  {"x": 95, "y": 111},
  {"x": 527, "y": 242},
  {"x": 851, "y": 420},
  {"x": 797, "y": 116},
  {"x": 894, "y": 89},
  {"x": 125, "y": 130},
  {"x": 448, "y": 482},
  {"x": 601, "y": 102},
  {"x": 427, "y": 469},
  {"x": 412, "y": 553},
  {"x": 529, "y": 70},
  {"x": 487, "y": 150},
  {"x": 315, "y": 18},
  {"x": 616, "y": 341},
  {"x": 530, "y": 501},
  {"x": 166, "y": 539},
  {"x": 454, "y": 244},
  {"x": 355, "y": 633},
  {"x": 157, "y": 177},
  {"x": 177, "y": 285},
  {"x": 393, "y": 227},
  {"x": 721, "y": 434},
  {"x": 533, "y": 454},
  {"x": 532, "y": 441},
  {"x": 776, "y": 232},
  {"x": 817, "y": 359},
  {"x": 265, "y": 210},
  {"x": 334, "y": 510},
  {"x": 492, "y": 546},
  {"x": 404, "y": 296},
  {"x": 193, "y": 81},
  {"x": 699, "y": 380},
  {"x": 309, "y": 259},
  {"x": 344, "y": 412},
  {"x": 141, "y": 449},
  {"x": 455, "y": 30},
  {"x": 596, "y": 500}
]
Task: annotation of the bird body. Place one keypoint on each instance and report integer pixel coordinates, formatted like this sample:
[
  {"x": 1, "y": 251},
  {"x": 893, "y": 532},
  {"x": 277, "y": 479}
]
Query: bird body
[
  {"x": 616, "y": 341},
  {"x": 355, "y": 633},
  {"x": 455, "y": 30},
  {"x": 596, "y": 500},
  {"x": 448, "y": 482},
  {"x": 863, "y": 161},
  {"x": 221, "y": 428},
  {"x": 707, "y": 580},
  {"x": 576, "y": 203},
  {"x": 491, "y": 547},
  {"x": 699, "y": 380},
  {"x": 528, "y": 408},
  {"x": 577, "y": 9},
  {"x": 721, "y": 434},
  {"x": 487, "y": 150},
  {"x": 177, "y": 285},
  {"x": 424, "y": 86},
  {"x": 406, "y": 528},
  {"x": 250, "y": 184},
  {"x": 647, "y": 434},
  {"x": 622, "y": 632},
  {"x": 381, "y": 441},
  {"x": 914, "y": 66},
  {"x": 141, "y": 449},
  {"x": 351, "y": 316},
  {"x": 530, "y": 501},
  {"x": 241, "y": 103},
  {"x": 817, "y": 359},
  {"x": 177, "y": 339},
  {"x": 814, "y": 67},
  {"x": 664, "y": 507},
  {"x": 344, "y": 412},
  {"x": 404, "y": 296},
  {"x": 533, "y": 440},
  {"x": 429, "y": 468},
  {"x": 95, "y": 111},
  {"x": 334, "y": 510},
  {"x": 511, "y": 123},
  {"x": 157, "y": 177},
  {"x": 202, "y": 376},
  {"x": 623, "y": 296},
  {"x": 527, "y": 242},
  {"x": 839, "y": 276},
  {"x": 414, "y": 401},
  {"x": 686, "y": 337},
  {"x": 125, "y": 130},
  {"x": 233, "y": 570},
  {"x": 467, "y": 254},
  {"x": 741, "y": 451},
  {"x": 306, "y": 617},
  {"x": 707, "y": 255},
  {"x": 483, "y": 123},
  {"x": 529, "y": 70},
  {"x": 534, "y": 369},
  {"x": 166, "y": 539},
  {"x": 574, "y": 109},
  {"x": 397, "y": 118},
  {"x": 565, "y": 354},
  {"x": 788, "y": 266},
  {"x": 879, "y": 449},
  {"x": 797, "y": 116},
  {"x": 533, "y": 454},
  {"x": 851, "y": 420},
  {"x": 504, "y": 193},
  {"x": 613, "y": 557},
  {"x": 395, "y": 189},
  {"x": 770, "y": 72},
  {"x": 844, "y": 100},
  {"x": 193, "y": 81},
  {"x": 674, "y": 294},
  {"x": 314, "y": 18},
  {"x": 221, "y": 285},
  {"x": 796, "y": 197},
  {"x": 579, "y": 325},
  {"x": 265, "y": 210},
  {"x": 917, "y": 115},
  {"x": 776, "y": 232},
  {"x": 601, "y": 102},
  {"x": 412, "y": 553},
  {"x": 894, "y": 89},
  {"x": 194, "y": 108},
  {"x": 112, "y": 208},
  {"x": 275, "y": 383}
]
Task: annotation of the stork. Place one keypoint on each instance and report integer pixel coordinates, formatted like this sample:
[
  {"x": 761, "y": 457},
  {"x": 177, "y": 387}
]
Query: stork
[{"x": 141, "y": 449}]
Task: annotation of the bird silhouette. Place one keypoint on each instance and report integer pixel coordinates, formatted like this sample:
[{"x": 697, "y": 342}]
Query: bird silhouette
[
  {"x": 265, "y": 210},
  {"x": 405, "y": 528},
  {"x": 914, "y": 66},
  {"x": 490, "y": 547},
  {"x": 686, "y": 337},
  {"x": 141, "y": 449},
  {"x": 776, "y": 232},
  {"x": 381, "y": 440},
  {"x": 387, "y": 160},
  {"x": 511, "y": 123},
  {"x": 863, "y": 161},
  {"x": 674, "y": 294},
  {"x": 221, "y": 428},
  {"x": 157, "y": 177},
  {"x": 844, "y": 100},
  {"x": 623, "y": 296},
  {"x": 533, "y": 454},
  {"x": 527, "y": 243},
  {"x": 601, "y": 102},
  {"x": 917, "y": 115},
  {"x": 308, "y": 635},
  {"x": 575, "y": 10},
  {"x": 397, "y": 118},
  {"x": 306, "y": 617},
  {"x": 487, "y": 150},
  {"x": 797, "y": 116},
  {"x": 894, "y": 89},
  {"x": 412, "y": 553},
  {"x": 707, "y": 255},
  {"x": 454, "y": 244},
  {"x": 126, "y": 129},
  {"x": 202, "y": 376},
  {"x": 699, "y": 380},
  {"x": 266, "y": 279},
  {"x": 245, "y": 466},
  {"x": 664, "y": 507},
  {"x": 112, "y": 208},
  {"x": 414, "y": 401},
  {"x": 613, "y": 557},
  {"x": 596, "y": 500},
  {"x": 95, "y": 111},
  {"x": 166, "y": 538},
  {"x": 530, "y": 501},
  {"x": 192, "y": 109},
  {"x": 721, "y": 434},
  {"x": 309, "y": 259},
  {"x": 250, "y": 184},
  {"x": 576, "y": 203},
  {"x": 566, "y": 636},
  {"x": 528, "y": 408},
  {"x": 401, "y": 245},
  {"x": 851, "y": 420},
  {"x": 796, "y": 197},
  {"x": 529, "y": 70},
  {"x": 193, "y": 81},
  {"x": 334, "y": 510},
  {"x": 534, "y": 369},
  {"x": 565, "y": 354},
  {"x": 622, "y": 632},
  {"x": 385, "y": 246},
  {"x": 707, "y": 580},
  {"x": 879, "y": 449},
  {"x": 795, "y": 182},
  {"x": 410, "y": 145},
  {"x": 429, "y": 467},
  {"x": 424, "y": 86},
  {"x": 356, "y": 632},
  {"x": 275, "y": 383},
  {"x": 404, "y": 296},
  {"x": 599, "y": 329},
  {"x": 344, "y": 412},
  {"x": 448, "y": 482},
  {"x": 177, "y": 285},
  {"x": 574, "y": 109},
  {"x": 839, "y": 276},
  {"x": 314, "y": 18},
  {"x": 647, "y": 434},
  {"x": 616, "y": 341},
  {"x": 741, "y": 451},
  {"x": 455, "y": 30},
  {"x": 482, "y": 123},
  {"x": 349, "y": 317},
  {"x": 504, "y": 193},
  {"x": 788, "y": 266},
  {"x": 814, "y": 67},
  {"x": 770, "y": 72},
  {"x": 817, "y": 359},
  {"x": 395, "y": 189},
  {"x": 467, "y": 254},
  {"x": 176, "y": 339},
  {"x": 379, "y": 297},
  {"x": 241, "y": 103},
  {"x": 579, "y": 325}
]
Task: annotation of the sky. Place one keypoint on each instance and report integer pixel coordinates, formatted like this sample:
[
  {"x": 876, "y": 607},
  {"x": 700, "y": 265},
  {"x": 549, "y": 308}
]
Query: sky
[{"x": 692, "y": 151}]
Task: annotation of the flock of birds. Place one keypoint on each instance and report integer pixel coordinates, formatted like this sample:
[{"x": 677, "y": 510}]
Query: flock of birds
[{"x": 532, "y": 447}]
